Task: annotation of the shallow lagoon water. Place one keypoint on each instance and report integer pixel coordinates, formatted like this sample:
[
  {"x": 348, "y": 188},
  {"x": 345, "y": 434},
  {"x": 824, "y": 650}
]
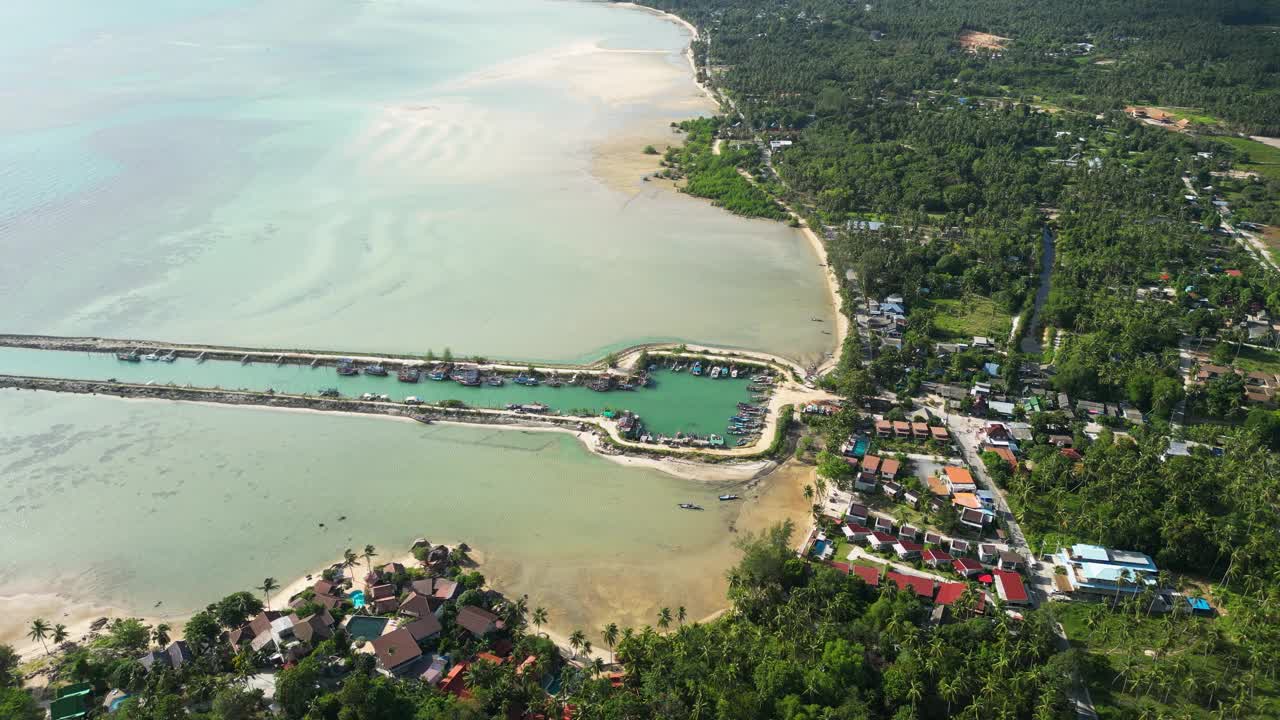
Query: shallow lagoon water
[{"x": 396, "y": 176}]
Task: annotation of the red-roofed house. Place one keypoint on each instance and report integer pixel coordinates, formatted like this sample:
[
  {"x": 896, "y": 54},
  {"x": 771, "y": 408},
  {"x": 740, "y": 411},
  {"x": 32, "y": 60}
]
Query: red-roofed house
[
  {"x": 884, "y": 525},
  {"x": 949, "y": 592},
  {"x": 455, "y": 681},
  {"x": 939, "y": 433},
  {"x": 1071, "y": 454},
  {"x": 879, "y": 541},
  {"x": 967, "y": 567},
  {"x": 920, "y": 586},
  {"x": 936, "y": 558},
  {"x": 854, "y": 532},
  {"x": 909, "y": 532},
  {"x": 884, "y": 428},
  {"x": 907, "y": 549},
  {"x": 901, "y": 428},
  {"x": 1010, "y": 588},
  {"x": 869, "y": 575}
]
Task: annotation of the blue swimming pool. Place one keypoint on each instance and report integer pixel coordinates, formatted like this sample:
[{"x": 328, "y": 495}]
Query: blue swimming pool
[
  {"x": 366, "y": 626},
  {"x": 357, "y": 598},
  {"x": 819, "y": 547}
]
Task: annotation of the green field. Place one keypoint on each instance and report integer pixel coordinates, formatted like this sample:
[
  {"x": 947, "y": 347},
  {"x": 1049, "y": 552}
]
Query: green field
[
  {"x": 1252, "y": 359},
  {"x": 1263, "y": 159},
  {"x": 957, "y": 319}
]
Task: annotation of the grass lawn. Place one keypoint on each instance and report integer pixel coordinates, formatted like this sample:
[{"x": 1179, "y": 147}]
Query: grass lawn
[
  {"x": 1263, "y": 159},
  {"x": 1252, "y": 359},
  {"x": 977, "y": 316}
]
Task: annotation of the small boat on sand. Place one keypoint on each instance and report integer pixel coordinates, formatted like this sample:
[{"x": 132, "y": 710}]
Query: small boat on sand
[
  {"x": 726, "y": 498},
  {"x": 690, "y": 506}
]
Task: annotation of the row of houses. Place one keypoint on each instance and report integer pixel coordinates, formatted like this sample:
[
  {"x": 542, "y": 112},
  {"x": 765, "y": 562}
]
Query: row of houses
[
  {"x": 903, "y": 430},
  {"x": 908, "y": 542},
  {"x": 1008, "y": 585},
  {"x": 1260, "y": 388}
]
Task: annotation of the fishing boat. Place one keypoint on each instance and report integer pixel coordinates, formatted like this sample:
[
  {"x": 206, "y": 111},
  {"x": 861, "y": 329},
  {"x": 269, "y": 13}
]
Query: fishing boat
[
  {"x": 697, "y": 368},
  {"x": 726, "y": 498},
  {"x": 716, "y": 441},
  {"x": 438, "y": 375},
  {"x": 329, "y": 392},
  {"x": 412, "y": 400},
  {"x": 495, "y": 381},
  {"x": 469, "y": 377},
  {"x": 376, "y": 369},
  {"x": 347, "y": 369},
  {"x": 422, "y": 419},
  {"x": 151, "y": 357},
  {"x": 554, "y": 382},
  {"x": 129, "y": 357},
  {"x": 690, "y": 506},
  {"x": 715, "y": 372},
  {"x": 409, "y": 374},
  {"x": 733, "y": 373},
  {"x": 169, "y": 358}
]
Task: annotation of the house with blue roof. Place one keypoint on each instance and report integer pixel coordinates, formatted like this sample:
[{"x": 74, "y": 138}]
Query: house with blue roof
[{"x": 1104, "y": 571}]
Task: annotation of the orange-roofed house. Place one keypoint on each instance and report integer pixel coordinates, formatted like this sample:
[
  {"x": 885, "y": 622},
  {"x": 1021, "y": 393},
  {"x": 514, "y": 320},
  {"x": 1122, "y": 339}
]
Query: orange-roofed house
[
  {"x": 939, "y": 433},
  {"x": 889, "y": 469},
  {"x": 959, "y": 479},
  {"x": 455, "y": 682},
  {"x": 919, "y": 430},
  {"x": 966, "y": 500}
]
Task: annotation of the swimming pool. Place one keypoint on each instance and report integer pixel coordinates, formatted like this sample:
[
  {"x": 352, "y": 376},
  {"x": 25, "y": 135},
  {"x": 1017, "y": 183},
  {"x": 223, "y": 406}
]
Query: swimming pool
[
  {"x": 357, "y": 598},
  {"x": 366, "y": 626}
]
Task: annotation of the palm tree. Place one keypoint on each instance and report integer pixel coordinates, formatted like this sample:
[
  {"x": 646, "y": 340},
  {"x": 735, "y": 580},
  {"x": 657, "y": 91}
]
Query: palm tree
[
  {"x": 369, "y": 554},
  {"x": 539, "y": 617},
  {"x": 610, "y": 634},
  {"x": 681, "y": 614},
  {"x": 160, "y": 635},
  {"x": 576, "y": 640},
  {"x": 348, "y": 562},
  {"x": 268, "y": 586},
  {"x": 664, "y": 618},
  {"x": 38, "y": 631},
  {"x": 59, "y": 634}
]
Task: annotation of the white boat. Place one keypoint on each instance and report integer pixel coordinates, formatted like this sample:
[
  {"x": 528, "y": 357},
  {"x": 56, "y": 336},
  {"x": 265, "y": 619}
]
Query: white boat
[
  {"x": 726, "y": 498},
  {"x": 151, "y": 356},
  {"x": 412, "y": 400},
  {"x": 168, "y": 358},
  {"x": 715, "y": 372},
  {"x": 734, "y": 373}
]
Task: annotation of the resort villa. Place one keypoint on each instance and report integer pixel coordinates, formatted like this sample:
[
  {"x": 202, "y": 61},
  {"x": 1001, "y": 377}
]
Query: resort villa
[{"x": 1102, "y": 571}]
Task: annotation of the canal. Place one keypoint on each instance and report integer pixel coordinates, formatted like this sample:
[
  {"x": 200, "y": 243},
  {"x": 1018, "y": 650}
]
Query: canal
[{"x": 676, "y": 402}]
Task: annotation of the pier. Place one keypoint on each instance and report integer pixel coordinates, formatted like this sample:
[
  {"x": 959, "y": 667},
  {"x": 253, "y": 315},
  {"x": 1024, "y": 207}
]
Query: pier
[{"x": 713, "y": 416}]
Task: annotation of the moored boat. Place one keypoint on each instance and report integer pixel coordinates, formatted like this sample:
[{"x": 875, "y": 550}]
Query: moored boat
[
  {"x": 726, "y": 498},
  {"x": 376, "y": 369},
  {"x": 690, "y": 506},
  {"x": 129, "y": 357},
  {"x": 697, "y": 368},
  {"x": 409, "y": 374}
]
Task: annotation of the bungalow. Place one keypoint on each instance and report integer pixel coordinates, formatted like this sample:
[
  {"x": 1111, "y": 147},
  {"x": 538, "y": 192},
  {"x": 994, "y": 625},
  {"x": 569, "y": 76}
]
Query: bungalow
[
  {"x": 385, "y": 605},
  {"x": 938, "y": 487},
  {"x": 919, "y": 430},
  {"x": 884, "y": 525},
  {"x": 439, "y": 588},
  {"x": 949, "y": 592},
  {"x": 919, "y": 585},
  {"x": 455, "y": 681},
  {"x": 1062, "y": 441},
  {"x": 960, "y": 547},
  {"x": 987, "y": 553},
  {"x": 174, "y": 656},
  {"x": 855, "y": 533},
  {"x": 324, "y": 587},
  {"x": 936, "y": 558},
  {"x": 939, "y": 433},
  {"x": 901, "y": 429},
  {"x": 879, "y": 541},
  {"x": 435, "y": 671},
  {"x": 417, "y": 605},
  {"x": 933, "y": 538},
  {"x": 967, "y": 567},
  {"x": 396, "y": 651},
  {"x": 393, "y": 568},
  {"x": 975, "y": 519},
  {"x": 892, "y": 489},
  {"x": 314, "y": 628},
  {"x": 858, "y": 513},
  {"x": 889, "y": 468},
  {"x": 909, "y": 532},
  {"x": 884, "y": 428},
  {"x": 869, "y": 575},
  {"x": 478, "y": 621},
  {"x": 1012, "y": 561},
  {"x": 966, "y": 500},
  {"x": 907, "y": 550},
  {"x": 910, "y": 498},
  {"x": 1004, "y": 409},
  {"x": 381, "y": 592},
  {"x": 1010, "y": 588},
  {"x": 959, "y": 479}
]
